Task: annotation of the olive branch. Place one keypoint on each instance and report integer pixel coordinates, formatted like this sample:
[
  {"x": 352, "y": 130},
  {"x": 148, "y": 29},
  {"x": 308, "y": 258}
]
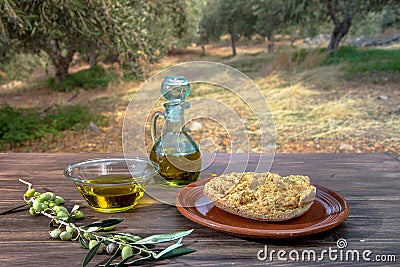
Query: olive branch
[{"x": 125, "y": 249}]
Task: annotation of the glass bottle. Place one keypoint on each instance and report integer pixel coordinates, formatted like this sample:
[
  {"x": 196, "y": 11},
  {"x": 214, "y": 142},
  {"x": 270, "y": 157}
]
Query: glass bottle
[{"x": 174, "y": 151}]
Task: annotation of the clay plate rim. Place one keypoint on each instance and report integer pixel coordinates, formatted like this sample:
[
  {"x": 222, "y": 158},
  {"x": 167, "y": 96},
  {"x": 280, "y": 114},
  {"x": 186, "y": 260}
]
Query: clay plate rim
[{"x": 328, "y": 211}]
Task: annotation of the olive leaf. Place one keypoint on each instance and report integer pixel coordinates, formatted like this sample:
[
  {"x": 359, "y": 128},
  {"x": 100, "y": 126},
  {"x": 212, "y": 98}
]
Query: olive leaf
[
  {"x": 106, "y": 222},
  {"x": 110, "y": 260},
  {"x": 91, "y": 254},
  {"x": 83, "y": 243},
  {"x": 125, "y": 261},
  {"x": 15, "y": 209},
  {"x": 76, "y": 207},
  {"x": 128, "y": 261},
  {"x": 154, "y": 239},
  {"x": 127, "y": 237},
  {"x": 177, "y": 252},
  {"x": 92, "y": 229},
  {"x": 170, "y": 248}
]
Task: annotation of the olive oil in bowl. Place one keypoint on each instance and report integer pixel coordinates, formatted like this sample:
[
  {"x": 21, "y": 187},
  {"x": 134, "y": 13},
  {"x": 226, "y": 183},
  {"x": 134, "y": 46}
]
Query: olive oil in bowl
[
  {"x": 113, "y": 184},
  {"x": 104, "y": 194}
]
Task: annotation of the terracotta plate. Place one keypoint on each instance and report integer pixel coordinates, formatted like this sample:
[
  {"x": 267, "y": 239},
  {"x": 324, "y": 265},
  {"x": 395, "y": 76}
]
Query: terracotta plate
[{"x": 328, "y": 211}]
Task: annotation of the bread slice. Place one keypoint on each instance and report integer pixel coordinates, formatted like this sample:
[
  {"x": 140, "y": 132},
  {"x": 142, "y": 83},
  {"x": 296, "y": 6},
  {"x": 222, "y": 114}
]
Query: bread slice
[{"x": 261, "y": 196}]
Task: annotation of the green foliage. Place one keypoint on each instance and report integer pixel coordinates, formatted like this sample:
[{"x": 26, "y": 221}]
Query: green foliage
[
  {"x": 270, "y": 17},
  {"x": 390, "y": 17},
  {"x": 193, "y": 13},
  {"x": 133, "y": 29},
  {"x": 356, "y": 61},
  {"x": 17, "y": 125},
  {"x": 361, "y": 55},
  {"x": 363, "y": 61},
  {"x": 71, "y": 117},
  {"x": 374, "y": 22},
  {"x": 366, "y": 24},
  {"x": 95, "y": 77},
  {"x": 21, "y": 66},
  {"x": 310, "y": 16},
  {"x": 227, "y": 17}
]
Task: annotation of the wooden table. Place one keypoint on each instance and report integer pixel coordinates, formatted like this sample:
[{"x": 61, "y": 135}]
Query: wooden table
[{"x": 369, "y": 182}]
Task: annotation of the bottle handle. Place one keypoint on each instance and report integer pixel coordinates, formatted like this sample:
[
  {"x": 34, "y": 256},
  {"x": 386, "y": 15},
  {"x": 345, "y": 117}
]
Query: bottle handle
[{"x": 153, "y": 126}]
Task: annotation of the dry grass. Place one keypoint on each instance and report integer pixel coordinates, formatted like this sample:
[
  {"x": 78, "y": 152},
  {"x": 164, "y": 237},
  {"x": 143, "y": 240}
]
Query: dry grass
[
  {"x": 345, "y": 114},
  {"x": 283, "y": 59}
]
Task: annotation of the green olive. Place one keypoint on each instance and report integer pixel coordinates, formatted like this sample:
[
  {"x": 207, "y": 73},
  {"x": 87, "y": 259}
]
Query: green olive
[
  {"x": 70, "y": 228},
  {"x": 92, "y": 243},
  {"x": 36, "y": 194},
  {"x": 62, "y": 215},
  {"x": 44, "y": 197},
  {"x": 52, "y": 204},
  {"x": 55, "y": 208},
  {"x": 32, "y": 211},
  {"x": 64, "y": 209},
  {"x": 52, "y": 195},
  {"x": 37, "y": 206},
  {"x": 30, "y": 203},
  {"x": 78, "y": 214},
  {"x": 88, "y": 236},
  {"x": 108, "y": 228},
  {"x": 65, "y": 236},
  {"x": 60, "y": 208},
  {"x": 30, "y": 192},
  {"x": 59, "y": 200},
  {"x": 126, "y": 252},
  {"x": 55, "y": 233}
]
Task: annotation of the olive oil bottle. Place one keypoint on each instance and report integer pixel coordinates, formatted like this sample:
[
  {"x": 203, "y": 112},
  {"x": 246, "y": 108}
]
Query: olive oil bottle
[{"x": 177, "y": 155}]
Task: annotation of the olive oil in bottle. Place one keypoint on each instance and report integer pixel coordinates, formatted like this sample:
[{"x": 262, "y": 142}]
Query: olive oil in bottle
[
  {"x": 105, "y": 198},
  {"x": 177, "y": 170}
]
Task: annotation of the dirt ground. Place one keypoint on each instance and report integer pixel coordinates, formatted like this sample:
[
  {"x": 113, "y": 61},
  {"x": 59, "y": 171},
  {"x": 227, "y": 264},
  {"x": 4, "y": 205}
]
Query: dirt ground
[{"x": 314, "y": 110}]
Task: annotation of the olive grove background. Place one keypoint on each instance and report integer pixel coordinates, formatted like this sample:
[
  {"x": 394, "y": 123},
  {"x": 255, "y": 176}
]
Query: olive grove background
[{"x": 331, "y": 68}]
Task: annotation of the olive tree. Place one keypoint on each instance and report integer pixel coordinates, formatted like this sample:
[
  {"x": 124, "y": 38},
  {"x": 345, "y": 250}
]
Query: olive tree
[
  {"x": 339, "y": 12},
  {"x": 269, "y": 19},
  {"x": 231, "y": 17},
  {"x": 132, "y": 28}
]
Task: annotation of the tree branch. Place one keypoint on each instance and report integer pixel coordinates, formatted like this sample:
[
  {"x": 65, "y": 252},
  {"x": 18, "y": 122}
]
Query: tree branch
[{"x": 331, "y": 10}]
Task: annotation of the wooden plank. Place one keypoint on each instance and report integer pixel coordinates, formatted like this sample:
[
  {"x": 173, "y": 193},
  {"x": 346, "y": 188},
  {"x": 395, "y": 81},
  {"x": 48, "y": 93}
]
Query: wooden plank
[{"x": 370, "y": 182}]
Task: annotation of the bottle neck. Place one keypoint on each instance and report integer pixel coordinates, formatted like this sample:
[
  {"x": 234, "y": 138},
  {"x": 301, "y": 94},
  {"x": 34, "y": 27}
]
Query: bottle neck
[{"x": 174, "y": 118}]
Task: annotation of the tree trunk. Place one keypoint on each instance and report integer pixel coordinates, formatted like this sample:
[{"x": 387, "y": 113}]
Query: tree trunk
[
  {"x": 233, "y": 43},
  {"x": 93, "y": 55},
  {"x": 61, "y": 69},
  {"x": 342, "y": 23},
  {"x": 338, "y": 33},
  {"x": 271, "y": 43},
  {"x": 61, "y": 63},
  {"x": 203, "y": 49}
]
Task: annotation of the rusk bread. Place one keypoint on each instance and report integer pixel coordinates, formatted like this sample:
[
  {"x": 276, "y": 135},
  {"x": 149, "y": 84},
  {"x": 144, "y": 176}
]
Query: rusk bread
[{"x": 261, "y": 196}]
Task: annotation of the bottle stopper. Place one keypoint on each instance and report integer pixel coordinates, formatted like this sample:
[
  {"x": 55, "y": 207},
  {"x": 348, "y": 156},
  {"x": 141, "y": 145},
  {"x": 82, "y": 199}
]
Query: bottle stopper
[{"x": 175, "y": 89}]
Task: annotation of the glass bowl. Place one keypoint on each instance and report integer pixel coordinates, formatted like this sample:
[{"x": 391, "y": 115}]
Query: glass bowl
[{"x": 112, "y": 185}]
